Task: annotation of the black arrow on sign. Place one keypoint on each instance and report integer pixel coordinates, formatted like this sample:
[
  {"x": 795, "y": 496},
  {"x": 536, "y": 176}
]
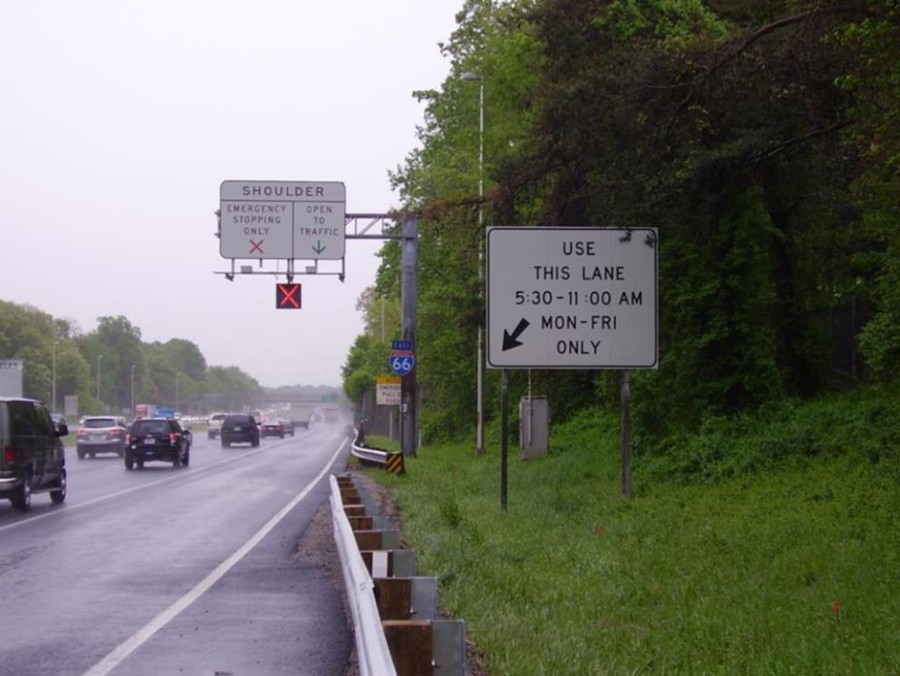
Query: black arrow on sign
[{"x": 511, "y": 340}]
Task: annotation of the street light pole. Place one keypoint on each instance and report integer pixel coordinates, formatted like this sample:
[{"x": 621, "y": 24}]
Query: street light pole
[
  {"x": 132, "y": 390},
  {"x": 53, "y": 394},
  {"x": 99, "y": 357},
  {"x": 176, "y": 391},
  {"x": 479, "y": 430}
]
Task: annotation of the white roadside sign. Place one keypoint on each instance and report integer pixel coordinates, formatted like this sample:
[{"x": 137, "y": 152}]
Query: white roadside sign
[
  {"x": 11, "y": 372},
  {"x": 572, "y": 298},
  {"x": 282, "y": 219},
  {"x": 387, "y": 391}
]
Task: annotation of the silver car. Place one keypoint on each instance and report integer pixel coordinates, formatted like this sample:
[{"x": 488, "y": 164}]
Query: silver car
[{"x": 101, "y": 434}]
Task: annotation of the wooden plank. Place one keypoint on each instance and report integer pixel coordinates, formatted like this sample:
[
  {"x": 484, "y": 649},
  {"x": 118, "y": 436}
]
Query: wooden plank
[
  {"x": 394, "y": 597},
  {"x": 368, "y": 539},
  {"x": 360, "y": 522},
  {"x": 350, "y": 497},
  {"x": 410, "y": 644},
  {"x": 354, "y": 510}
]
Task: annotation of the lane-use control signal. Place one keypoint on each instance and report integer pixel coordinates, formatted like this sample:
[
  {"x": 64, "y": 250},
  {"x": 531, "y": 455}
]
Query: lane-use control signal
[{"x": 287, "y": 296}]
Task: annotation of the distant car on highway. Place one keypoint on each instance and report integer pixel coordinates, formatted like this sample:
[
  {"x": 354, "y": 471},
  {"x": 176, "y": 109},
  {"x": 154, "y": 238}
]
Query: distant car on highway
[
  {"x": 101, "y": 434},
  {"x": 214, "y": 425},
  {"x": 276, "y": 428},
  {"x": 239, "y": 428},
  {"x": 288, "y": 426}
]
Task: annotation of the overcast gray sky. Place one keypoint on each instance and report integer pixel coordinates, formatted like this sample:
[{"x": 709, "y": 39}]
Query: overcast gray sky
[{"x": 120, "y": 119}]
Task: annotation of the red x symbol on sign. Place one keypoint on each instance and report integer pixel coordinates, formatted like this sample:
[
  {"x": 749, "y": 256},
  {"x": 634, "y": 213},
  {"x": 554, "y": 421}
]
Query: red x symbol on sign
[
  {"x": 287, "y": 296},
  {"x": 256, "y": 246}
]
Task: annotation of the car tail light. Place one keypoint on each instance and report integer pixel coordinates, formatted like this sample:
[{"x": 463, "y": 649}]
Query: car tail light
[
  {"x": 9, "y": 454},
  {"x": 173, "y": 437}
]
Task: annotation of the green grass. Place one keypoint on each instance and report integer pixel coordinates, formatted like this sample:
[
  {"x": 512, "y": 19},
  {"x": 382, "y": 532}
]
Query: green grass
[{"x": 789, "y": 564}]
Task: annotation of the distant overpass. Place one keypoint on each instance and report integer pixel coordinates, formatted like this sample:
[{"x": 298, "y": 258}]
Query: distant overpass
[{"x": 291, "y": 399}]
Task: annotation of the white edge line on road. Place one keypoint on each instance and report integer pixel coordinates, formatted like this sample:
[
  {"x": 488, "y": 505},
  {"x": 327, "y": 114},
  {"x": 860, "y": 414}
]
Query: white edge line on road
[{"x": 119, "y": 654}]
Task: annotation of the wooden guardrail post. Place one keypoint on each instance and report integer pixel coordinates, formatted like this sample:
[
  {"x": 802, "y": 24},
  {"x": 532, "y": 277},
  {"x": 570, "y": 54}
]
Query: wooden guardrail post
[
  {"x": 354, "y": 510},
  {"x": 394, "y": 597},
  {"x": 360, "y": 522},
  {"x": 410, "y": 645},
  {"x": 350, "y": 497}
]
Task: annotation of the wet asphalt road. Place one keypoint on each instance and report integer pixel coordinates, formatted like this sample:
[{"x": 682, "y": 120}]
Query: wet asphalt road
[{"x": 175, "y": 571}]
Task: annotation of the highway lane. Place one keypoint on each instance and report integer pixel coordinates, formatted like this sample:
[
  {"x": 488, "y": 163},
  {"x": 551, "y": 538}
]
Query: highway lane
[{"x": 175, "y": 571}]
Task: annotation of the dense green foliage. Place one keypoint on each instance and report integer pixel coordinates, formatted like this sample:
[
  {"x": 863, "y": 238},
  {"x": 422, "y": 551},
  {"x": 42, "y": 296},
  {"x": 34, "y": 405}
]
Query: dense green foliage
[
  {"x": 173, "y": 374},
  {"x": 785, "y": 559},
  {"x": 760, "y": 138}
]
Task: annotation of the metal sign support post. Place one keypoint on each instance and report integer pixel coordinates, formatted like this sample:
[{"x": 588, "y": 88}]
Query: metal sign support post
[
  {"x": 626, "y": 433},
  {"x": 408, "y": 262},
  {"x": 504, "y": 436}
]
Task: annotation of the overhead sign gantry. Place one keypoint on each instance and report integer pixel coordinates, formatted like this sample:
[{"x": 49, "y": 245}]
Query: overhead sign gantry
[{"x": 286, "y": 221}]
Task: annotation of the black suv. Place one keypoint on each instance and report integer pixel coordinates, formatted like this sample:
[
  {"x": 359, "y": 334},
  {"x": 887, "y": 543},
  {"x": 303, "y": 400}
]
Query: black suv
[
  {"x": 156, "y": 439},
  {"x": 239, "y": 429},
  {"x": 32, "y": 456}
]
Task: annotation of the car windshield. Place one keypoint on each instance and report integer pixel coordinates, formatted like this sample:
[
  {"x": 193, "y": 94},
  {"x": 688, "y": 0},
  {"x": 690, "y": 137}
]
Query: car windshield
[
  {"x": 150, "y": 427},
  {"x": 239, "y": 420},
  {"x": 99, "y": 422}
]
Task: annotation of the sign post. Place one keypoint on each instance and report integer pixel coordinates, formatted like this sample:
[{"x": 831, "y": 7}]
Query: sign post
[{"x": 572, "y": 298}]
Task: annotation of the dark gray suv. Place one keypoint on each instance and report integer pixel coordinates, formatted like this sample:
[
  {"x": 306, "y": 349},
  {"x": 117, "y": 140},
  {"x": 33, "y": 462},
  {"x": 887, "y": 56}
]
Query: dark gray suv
[
  {"x": 32, "y": 455},
  {"x": 239, "y": 429}
]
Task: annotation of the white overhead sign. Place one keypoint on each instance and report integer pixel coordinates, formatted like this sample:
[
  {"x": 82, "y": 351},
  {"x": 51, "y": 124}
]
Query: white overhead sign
[
  {"x": 282, "y": 219},
  {"x": 572, "y": 298}
]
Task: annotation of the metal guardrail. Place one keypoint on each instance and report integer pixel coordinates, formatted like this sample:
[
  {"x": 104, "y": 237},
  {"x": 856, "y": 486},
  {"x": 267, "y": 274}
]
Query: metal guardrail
[
  {"x": 395, "y": 614},
  {"x": 373, "y": 653},
  {"x": 371, "y": 455},
  {"x": 391, "y": 461}
]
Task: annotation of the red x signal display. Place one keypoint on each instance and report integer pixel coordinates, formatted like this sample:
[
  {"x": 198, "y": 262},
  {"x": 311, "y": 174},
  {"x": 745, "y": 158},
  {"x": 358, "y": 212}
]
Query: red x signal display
[{"x": 287, "y": 296}]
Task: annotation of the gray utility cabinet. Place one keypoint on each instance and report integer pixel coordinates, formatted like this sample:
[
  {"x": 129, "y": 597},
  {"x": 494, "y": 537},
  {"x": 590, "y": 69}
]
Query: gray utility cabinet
[{"x": 534, "y": 426}]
